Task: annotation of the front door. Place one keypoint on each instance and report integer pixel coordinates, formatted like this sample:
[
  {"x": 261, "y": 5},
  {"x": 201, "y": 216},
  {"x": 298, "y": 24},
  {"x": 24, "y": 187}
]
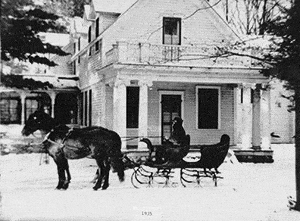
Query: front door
[{"x": 171, "y": 108}]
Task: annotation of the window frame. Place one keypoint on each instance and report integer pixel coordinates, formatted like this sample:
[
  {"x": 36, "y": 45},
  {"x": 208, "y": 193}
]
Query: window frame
[
  {"x": 197, "y": 106},
  {"x": 180, "y": 29}
]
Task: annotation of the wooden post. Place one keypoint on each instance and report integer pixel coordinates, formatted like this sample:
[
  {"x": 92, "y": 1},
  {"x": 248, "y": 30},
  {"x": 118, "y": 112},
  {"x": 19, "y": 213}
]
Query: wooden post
[
  {"x": 143, "y": 110},
  {"x": 256, "y": 120},
  {"x": 119, "y": 110},
  {"x": 247, "y": 117}
]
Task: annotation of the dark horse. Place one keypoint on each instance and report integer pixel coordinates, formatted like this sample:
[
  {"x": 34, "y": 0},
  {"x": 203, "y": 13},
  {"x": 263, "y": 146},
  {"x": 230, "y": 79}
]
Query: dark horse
[{"x": 63, "y": 143}]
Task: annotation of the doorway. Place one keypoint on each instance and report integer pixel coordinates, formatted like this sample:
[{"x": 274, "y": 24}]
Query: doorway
[{"x": 171, "y": 107}]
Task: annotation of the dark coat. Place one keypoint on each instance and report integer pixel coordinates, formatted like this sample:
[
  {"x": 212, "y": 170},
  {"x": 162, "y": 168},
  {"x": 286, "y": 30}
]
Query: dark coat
[{"x": 178, "y": 135}]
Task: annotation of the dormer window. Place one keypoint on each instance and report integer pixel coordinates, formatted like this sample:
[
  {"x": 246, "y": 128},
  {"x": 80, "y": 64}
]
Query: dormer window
[{"x": 172, "y": 31}]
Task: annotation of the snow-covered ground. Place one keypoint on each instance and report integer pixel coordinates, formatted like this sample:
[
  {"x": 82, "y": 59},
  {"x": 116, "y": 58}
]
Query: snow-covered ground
[{"x": 247, "y": 192}]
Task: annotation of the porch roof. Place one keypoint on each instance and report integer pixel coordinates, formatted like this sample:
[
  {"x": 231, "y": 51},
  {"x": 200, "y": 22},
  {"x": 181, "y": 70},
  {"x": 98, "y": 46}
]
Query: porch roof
[{"x": 198, "y": 75}]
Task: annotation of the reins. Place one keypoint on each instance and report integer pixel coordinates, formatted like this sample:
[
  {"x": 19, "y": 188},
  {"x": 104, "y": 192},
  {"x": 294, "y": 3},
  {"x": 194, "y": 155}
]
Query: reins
[{"x": 138, "y": 137}]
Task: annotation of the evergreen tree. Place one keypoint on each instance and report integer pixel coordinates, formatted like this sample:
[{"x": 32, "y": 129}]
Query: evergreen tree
[
  {"x": 21, "y": 21},
  {"x": 286, "y": 66}
]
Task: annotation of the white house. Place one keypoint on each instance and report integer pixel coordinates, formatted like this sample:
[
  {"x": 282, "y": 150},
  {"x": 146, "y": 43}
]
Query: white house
[{"x": 142, "y": 63}]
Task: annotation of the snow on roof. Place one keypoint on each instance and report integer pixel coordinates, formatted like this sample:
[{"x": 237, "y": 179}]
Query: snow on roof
[
  {"x": 77, "y": 25},
  {"x": 56, "y": 39},
  {"x": 58, "y": 81},
  {"x": 257, "y": 41},
  {"x": 115, "y": 6}
]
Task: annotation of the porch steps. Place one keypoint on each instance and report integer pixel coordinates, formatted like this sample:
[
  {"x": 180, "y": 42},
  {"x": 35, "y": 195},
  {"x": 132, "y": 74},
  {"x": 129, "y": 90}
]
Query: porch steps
[{"x": 254, "y": 156}]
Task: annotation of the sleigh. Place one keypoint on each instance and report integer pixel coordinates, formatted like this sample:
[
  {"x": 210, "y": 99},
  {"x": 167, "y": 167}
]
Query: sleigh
[{"x": 155, "y": 170}]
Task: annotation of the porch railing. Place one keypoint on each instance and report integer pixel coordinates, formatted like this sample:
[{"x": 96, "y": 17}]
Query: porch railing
[{"x": 155, "y": 54}]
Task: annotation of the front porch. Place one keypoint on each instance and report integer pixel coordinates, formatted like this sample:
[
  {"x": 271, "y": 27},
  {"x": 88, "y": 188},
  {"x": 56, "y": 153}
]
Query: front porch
[{"x": 243, "y": 107}]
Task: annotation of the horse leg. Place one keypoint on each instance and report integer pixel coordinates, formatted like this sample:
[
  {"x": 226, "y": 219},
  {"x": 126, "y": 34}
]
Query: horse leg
[
  {"x": 61, "y": 176},
  {"x": 68, "y": 180},
  {"x": 95, "y": 177},
  {"x": 62, "y": 167},
  {"x": 106, "y": 175},
  {"x": 100, "y": 177}
]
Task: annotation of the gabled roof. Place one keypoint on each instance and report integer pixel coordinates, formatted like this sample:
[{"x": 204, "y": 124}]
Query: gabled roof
[
  {"x": 112, "y": 6},
  {"x": 199, "y": 9}
]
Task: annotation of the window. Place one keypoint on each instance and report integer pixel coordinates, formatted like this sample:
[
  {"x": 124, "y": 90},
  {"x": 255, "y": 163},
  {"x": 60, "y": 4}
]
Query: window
[
  {"x": 132, "y": 111},
  {"x": 208, "y": 107},
  {"x": 74, "y": 67},
  {"x": 85, "y": 108},
  {"x": 31, "y": 105},
  {"x": 81, "y": 104},
  {"x": 98, "y": 45},
  {"x": 172, "y": 31},
  {"x": 90, "y": 107},
  {"x": 78, "y": 46},
  {"x": 97, "y": 28},
  {"x": 10, "y": 110},
  {"x": 90, "y": 34}
]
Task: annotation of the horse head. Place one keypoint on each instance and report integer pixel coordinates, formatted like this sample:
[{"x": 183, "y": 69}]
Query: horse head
[{"x": 38, "y": 120}]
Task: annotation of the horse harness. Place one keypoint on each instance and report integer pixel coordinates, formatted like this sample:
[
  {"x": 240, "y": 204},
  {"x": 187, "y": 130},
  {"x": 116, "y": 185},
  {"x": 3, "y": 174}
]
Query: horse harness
[{"x": 62, "y": 144}]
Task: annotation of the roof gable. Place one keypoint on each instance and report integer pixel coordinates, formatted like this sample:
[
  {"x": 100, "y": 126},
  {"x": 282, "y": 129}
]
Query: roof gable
[
  {"x": 112, "y": 6},
  {"x": 201, "y": 24}
]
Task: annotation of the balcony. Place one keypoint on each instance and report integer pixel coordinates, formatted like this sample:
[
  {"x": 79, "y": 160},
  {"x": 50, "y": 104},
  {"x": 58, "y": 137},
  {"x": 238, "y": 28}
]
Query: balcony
[{"x": 191, "y": 56}]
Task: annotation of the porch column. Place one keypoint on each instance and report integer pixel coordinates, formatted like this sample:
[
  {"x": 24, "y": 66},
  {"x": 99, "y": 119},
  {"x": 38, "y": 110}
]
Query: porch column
[
  {"x": 143, "y": 110},
  {"x": 52, "y": 96},
  {"x": 119, "y": 110},
  {"x": 265, "y": 119},
  {"x": 246, "y": 117},
  {"x": 23, "y": 107},
  {"x": 238, "y": 115},
  {"x": 256, "y": 119}
]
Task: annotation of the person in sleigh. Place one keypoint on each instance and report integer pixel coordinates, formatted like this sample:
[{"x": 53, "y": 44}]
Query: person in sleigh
[{"x": 177, "y": 146}]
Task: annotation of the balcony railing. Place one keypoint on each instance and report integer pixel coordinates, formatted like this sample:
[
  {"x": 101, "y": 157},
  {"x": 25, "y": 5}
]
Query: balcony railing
[{"x": 154, "y": 54}]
